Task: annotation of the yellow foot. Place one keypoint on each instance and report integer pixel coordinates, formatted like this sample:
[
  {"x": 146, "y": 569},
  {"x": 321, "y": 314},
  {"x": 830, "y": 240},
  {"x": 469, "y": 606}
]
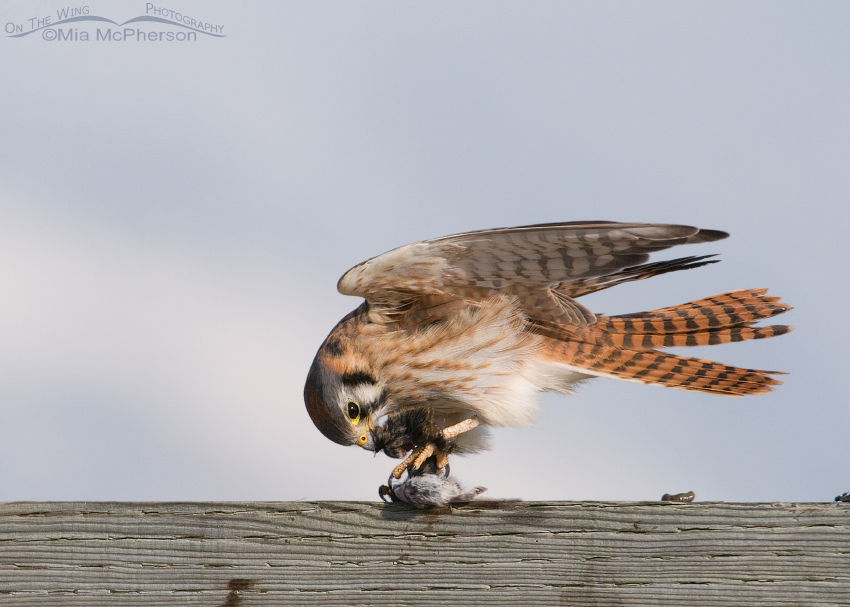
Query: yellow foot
[
  {"x": 414, "y": 460},
  {"x": 418, "y": 456},
  {"x": 464, "y": 426},
  {"x": 442, "y": 461}
]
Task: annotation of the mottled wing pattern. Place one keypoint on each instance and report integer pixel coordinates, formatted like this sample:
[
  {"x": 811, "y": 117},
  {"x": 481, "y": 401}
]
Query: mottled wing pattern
[
  {"x": 584, "y": 286},
  {"x": 535, "y": 263}
]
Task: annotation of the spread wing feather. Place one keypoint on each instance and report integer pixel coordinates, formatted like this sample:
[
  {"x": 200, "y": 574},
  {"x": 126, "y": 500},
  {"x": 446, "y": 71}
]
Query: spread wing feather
[{"x": 537, "y": 264}]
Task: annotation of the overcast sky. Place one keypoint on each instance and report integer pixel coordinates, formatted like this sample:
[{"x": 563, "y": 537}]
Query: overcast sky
[{"x": 174, "y": 216}]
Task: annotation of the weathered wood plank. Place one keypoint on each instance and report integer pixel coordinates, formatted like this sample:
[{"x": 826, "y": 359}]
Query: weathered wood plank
[{"x": 488, "y": 553}]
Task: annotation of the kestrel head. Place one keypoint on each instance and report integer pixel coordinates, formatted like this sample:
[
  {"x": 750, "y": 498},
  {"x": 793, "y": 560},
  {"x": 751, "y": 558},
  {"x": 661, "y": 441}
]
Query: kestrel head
[{"x": 343, "y": 404}]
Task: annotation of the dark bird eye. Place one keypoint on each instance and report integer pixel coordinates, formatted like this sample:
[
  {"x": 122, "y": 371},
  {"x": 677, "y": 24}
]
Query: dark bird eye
[{"x": 353, "y": 410}]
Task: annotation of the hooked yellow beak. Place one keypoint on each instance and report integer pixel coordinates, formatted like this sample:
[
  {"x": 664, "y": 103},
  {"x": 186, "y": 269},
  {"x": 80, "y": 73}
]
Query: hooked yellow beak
[{"x": 365, "y": 438}]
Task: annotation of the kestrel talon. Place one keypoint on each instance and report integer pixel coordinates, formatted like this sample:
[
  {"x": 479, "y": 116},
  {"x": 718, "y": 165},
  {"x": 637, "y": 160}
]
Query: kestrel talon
[{"x": 460, "y": 333}]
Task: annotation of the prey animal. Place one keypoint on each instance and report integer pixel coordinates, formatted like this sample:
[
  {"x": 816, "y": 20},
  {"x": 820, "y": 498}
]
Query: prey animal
[{"x": 461, "y": 333}]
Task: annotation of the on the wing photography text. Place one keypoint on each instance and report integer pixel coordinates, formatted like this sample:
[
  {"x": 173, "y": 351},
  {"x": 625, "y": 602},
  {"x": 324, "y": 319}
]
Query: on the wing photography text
[{"x": 70, "y": 24}]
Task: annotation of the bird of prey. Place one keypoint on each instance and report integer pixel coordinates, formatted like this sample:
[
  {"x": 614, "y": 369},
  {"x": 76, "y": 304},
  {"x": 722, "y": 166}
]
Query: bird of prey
[{"x": 462, "y": 332}]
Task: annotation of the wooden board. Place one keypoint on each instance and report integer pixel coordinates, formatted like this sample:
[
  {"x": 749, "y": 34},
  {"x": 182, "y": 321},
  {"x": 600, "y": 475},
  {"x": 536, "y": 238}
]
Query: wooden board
[{"x": 487, "y": 553}]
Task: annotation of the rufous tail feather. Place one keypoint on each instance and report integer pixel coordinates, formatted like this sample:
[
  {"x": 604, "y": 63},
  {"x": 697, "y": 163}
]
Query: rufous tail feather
[{"x": 625, "y": 347}]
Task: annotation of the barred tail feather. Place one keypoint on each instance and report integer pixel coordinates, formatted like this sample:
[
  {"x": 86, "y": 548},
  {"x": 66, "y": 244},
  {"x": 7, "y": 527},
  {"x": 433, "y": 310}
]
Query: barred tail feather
[
  {"x": 725, "y": 318},
  {"x": 625, "y": 347},
  {"x": 672, "y": 371},
  {"x": 724, "y": 310},
  {"x": 707, "y": 337}
]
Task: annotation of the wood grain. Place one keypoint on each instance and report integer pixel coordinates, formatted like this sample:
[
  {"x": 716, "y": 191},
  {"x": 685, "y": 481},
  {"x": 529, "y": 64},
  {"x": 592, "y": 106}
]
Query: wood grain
[{"x": 487, "y": 553}]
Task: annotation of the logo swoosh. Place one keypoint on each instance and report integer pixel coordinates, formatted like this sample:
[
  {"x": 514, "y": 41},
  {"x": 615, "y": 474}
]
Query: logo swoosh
[
  {"x": 161, "y": 20},
  {"x": 71, "y": 20},
  {"x": 104, "y": 19}
]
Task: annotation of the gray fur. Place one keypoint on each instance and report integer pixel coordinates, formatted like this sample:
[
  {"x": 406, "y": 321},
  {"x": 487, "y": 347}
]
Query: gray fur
[{"x": 433, "y": 490}]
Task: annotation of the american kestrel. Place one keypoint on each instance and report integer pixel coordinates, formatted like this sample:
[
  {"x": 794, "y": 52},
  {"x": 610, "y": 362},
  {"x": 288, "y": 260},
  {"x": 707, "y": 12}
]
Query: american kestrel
[{"x": 462, "y": 332}]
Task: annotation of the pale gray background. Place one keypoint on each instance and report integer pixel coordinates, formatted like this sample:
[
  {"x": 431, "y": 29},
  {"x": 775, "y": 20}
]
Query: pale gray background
[{"x": 174, "y": 218}]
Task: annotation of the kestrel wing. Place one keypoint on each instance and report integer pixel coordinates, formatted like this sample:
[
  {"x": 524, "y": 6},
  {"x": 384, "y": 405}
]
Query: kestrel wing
[{"x": 533, "y": 263}]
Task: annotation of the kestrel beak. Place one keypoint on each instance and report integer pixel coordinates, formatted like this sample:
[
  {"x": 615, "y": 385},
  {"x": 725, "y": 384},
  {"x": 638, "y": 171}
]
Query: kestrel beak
[
  {"x": 368, "y": 443},
  {"x": 365, "y": 439}
]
